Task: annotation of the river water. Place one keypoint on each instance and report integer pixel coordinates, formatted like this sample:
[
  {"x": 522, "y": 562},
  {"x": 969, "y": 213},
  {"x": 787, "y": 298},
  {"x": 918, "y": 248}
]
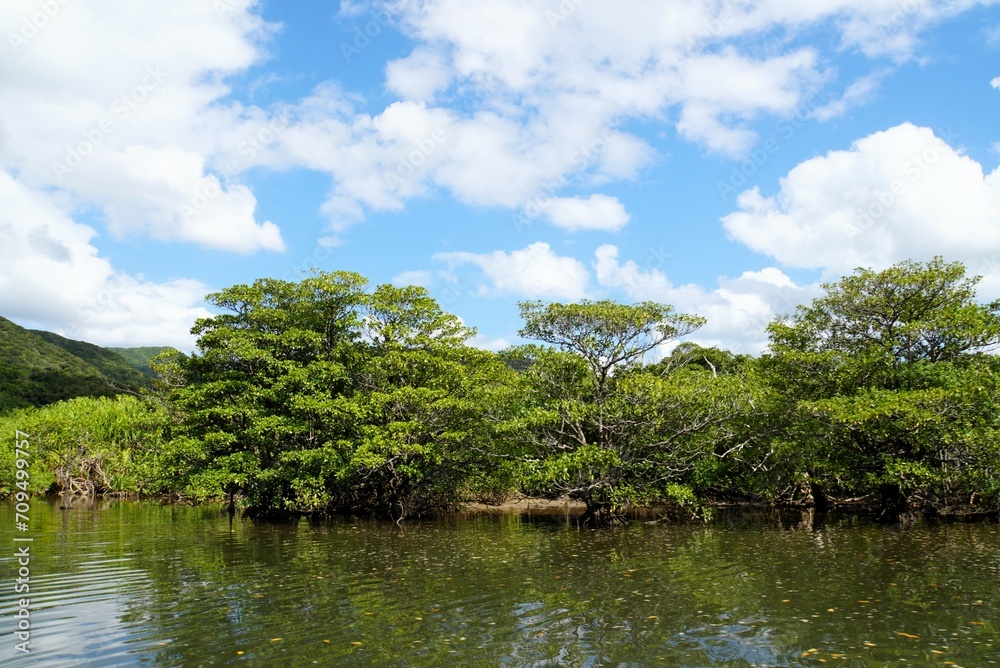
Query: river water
[{"x": 144, "y": 584}]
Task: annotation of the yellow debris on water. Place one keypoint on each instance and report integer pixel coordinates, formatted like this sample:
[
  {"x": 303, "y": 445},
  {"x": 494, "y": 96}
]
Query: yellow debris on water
[{"x": 907, "y": 635}]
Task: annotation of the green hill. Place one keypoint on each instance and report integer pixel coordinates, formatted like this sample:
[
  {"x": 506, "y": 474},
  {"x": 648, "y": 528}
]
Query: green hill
[
  {"x": 140, "y": 358},
  {"x": 38, "y": 368},
  {"x": 111, "y": 365}
]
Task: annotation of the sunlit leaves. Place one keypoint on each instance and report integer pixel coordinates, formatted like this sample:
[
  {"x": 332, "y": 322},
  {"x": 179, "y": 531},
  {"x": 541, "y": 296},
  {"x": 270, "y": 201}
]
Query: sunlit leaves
[
  {"x": 887, "y": 385},
  {"x": 607, "y": 430},
  {"x": 112, "y": 444},
  {"x": 320, "y": 395}
]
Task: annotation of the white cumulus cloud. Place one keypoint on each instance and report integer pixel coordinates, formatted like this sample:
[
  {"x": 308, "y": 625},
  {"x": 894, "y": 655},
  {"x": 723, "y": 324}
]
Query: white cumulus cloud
[
  {"x": 533, "y": 272},
  {"x": 52, "y": 277},
  {"x": 534, "y": 97},
  {"x": 737, "y": 312},
  {"x": 124, "y": 110},
  {"x": 903, "y": 193},
  {"x": 597, "y": 212}
]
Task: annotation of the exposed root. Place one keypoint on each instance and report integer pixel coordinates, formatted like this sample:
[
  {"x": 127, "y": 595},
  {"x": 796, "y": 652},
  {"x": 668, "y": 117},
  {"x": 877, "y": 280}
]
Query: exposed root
[{"x": 82, "y": 477}]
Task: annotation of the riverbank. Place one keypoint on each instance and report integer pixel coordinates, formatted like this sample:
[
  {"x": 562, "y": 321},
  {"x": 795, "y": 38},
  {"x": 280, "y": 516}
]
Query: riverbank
[
  {"x": 573, "y": 511},
  {"x": 527, "y": 504}
]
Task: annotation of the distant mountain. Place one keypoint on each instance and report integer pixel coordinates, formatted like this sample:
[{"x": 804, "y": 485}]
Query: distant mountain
[
  {"x": 140, "y": 358},
  {"x": 38, "y": 368}
]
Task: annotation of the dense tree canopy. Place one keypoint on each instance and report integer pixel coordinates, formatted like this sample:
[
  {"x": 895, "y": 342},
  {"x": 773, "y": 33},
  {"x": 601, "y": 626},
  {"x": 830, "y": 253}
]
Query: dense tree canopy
[
  {"x": 608, "y": 431},
  {"x": 320, "y": 395},
  {"x": 889, "y": 388},
  {"x": 329, "y": 395}
]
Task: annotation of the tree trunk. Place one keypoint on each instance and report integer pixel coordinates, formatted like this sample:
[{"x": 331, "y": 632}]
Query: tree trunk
[
  {"x": 894, "y": 509},
  {"x": 601, "y": 514}
]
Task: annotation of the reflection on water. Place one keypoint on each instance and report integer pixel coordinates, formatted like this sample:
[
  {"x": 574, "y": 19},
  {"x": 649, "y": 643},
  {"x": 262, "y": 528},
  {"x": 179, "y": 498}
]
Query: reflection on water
[{"x": 129, "y": 584}]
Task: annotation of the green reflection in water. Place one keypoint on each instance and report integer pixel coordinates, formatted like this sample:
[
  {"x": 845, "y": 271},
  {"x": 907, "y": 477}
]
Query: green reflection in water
[{"x": 126, "y": 584}]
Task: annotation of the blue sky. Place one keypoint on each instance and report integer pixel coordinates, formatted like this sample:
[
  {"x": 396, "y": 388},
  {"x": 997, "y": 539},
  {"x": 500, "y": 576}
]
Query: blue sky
[{"x": 724, "y": 157}]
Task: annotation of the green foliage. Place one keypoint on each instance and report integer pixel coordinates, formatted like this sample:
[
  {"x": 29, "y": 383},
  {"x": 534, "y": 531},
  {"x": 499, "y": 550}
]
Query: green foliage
[
  {"x": 318, "y": 395},
  {"x": 607, "y": 335},
  {"x": 141, "y": 358},
  {"x": 610, "y": 432},
  {"x": 98, "y": 445},
  {"x": 116, "y": 369},
  {"x": 326, "y": 395},
  {"x": 712, "y": 359},
  {"x": 38, "y": 368},
  {"x": 870, "y": 326},
  {"x": 888, "y": 392},
  {"x": 266, "y": 385}
]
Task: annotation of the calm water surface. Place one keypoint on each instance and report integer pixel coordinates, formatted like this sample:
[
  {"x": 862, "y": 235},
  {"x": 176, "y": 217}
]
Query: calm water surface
[{"x": 130, "y": 584}]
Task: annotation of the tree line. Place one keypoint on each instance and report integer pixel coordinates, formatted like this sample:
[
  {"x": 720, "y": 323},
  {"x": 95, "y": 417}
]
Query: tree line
[{"x": 328, "y": 395}]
